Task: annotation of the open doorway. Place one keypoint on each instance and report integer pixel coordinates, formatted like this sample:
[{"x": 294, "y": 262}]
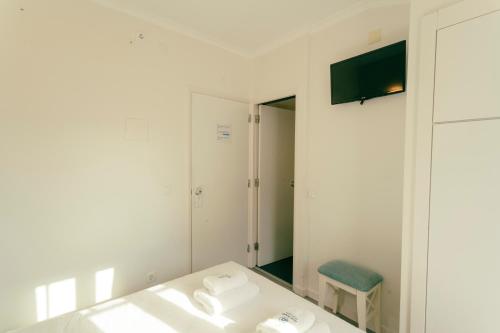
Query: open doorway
[{"x": 276, "y": 161}]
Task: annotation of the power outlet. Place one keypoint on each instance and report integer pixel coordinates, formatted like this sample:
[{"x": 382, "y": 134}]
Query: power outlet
[{"x": 151, "y": 277}]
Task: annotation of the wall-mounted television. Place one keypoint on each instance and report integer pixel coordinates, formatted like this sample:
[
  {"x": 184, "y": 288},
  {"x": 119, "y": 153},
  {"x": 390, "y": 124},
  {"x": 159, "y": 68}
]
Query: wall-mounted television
[{"x": 374, "y": 74}]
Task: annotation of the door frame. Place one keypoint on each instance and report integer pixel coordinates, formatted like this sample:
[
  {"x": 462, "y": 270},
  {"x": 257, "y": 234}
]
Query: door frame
[
  {"x": 255, "y": 192},
  {"x": 300, "y": 228},
  {"x": 258, "y": 171},
  {"x": 216, "y": 94},
  {"x": 418, "y": 163}
]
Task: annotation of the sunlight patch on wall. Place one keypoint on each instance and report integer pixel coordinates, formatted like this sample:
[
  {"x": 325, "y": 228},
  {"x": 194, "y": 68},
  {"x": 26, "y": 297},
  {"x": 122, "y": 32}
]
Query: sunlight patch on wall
[
  {"x": 55, "y": 299},
  {"x": 104, "y": 285},
  {"x": 42, "y": 311}
]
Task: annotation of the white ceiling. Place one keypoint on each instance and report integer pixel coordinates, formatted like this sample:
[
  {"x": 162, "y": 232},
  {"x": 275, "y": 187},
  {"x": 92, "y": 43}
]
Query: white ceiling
[{"x": 247, "y": 27}]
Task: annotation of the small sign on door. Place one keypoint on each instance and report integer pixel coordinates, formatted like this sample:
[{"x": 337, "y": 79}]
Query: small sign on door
[{"x": 224, "y": 133}]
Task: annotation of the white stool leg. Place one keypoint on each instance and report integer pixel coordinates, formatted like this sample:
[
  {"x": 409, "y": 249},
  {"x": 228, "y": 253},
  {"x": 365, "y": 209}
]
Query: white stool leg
[
  {"x": 322, "y": 291},
  {"x": 378, "y": 309},
  {"x": 340, "y": 300},
  {"x": 335, "y": 304},
  {"x": 361, "y": 302}
]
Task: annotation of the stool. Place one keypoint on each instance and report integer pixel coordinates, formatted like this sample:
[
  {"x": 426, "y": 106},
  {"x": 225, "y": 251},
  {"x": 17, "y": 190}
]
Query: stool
[{"x": 360, "y": 282}]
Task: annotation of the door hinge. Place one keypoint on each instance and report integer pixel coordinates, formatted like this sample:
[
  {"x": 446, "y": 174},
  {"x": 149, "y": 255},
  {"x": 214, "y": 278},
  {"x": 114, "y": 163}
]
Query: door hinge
[
  {"x": 249, "y": 118},
  {"x": 249, "y": 183},
  {"x": 256, "y": 246},
  {"x": 248, "y": 248},
  {"x": 257, "y": 118},
  {"x": 256, "y": 182}
]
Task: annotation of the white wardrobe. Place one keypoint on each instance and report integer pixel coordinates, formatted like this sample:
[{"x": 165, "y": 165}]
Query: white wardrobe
[{"x": 456, "y": 275}]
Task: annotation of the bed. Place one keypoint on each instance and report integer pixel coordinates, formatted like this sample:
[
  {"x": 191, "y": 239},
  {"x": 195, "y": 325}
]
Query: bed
[{"x": 170, "y": 308}]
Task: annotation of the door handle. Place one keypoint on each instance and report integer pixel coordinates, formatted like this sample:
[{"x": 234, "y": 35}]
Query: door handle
[{"x": 198, "y": 191}]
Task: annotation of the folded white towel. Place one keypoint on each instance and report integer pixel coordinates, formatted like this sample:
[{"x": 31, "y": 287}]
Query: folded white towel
[
  {"x": 228, "y": 300},
  {"x": 293, "y": 320},
  {"x": 217, "y": 284},
  {"x": 320, "y": 328}
]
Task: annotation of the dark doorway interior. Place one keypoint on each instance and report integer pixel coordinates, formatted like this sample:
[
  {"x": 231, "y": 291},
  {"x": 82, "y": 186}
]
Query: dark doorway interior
[{"x": 282, "y": 269}]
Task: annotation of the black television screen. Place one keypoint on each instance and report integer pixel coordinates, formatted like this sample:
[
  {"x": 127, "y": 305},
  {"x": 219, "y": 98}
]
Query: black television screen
[{"x": 378, "y": 73}]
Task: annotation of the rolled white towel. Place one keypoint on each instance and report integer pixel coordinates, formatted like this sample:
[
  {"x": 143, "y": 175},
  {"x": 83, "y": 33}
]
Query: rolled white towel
[
  {"x": 228, "y": 300},
  {"x": 320, "y": 328},
  {"x": 293, "y": 320},
  {"x": 217, "y": 284}
]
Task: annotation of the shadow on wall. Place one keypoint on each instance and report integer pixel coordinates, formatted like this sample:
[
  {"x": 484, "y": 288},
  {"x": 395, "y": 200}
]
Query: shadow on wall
[{"x": 58, "y": 298}]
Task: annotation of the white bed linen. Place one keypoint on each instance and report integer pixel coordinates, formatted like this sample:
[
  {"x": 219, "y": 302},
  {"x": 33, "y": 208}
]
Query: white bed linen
[{"x": 170, "y": 308}]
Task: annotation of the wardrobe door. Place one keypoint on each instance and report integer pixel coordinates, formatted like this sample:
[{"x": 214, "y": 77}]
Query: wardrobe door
[
  {"x": 463, "y": 293},
  {"x": 468, "y": 70}
]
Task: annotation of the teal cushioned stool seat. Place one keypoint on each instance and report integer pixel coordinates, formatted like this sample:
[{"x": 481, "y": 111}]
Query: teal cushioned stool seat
[{"x": 356, "y": 277}]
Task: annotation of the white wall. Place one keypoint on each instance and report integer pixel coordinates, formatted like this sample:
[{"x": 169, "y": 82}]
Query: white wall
[
  {"x": 77, "y": 193},
  {"x": 356, "y": 162},
  {"x": 282, "y": 73},
  {"x": 418, "y": 10},
  {"x": 354, "y": 157}
]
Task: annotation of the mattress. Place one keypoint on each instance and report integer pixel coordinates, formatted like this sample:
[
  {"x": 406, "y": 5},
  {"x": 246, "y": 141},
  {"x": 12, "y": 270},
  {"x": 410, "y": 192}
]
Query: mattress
[{"x": 170, "y": 308}]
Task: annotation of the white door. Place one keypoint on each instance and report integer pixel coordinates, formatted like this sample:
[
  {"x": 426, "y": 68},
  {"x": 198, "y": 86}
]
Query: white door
[
  {"x": 464, "y": 228},
  {"x": 276, "y": 175},
  {"x": 219, "y": 181}
]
